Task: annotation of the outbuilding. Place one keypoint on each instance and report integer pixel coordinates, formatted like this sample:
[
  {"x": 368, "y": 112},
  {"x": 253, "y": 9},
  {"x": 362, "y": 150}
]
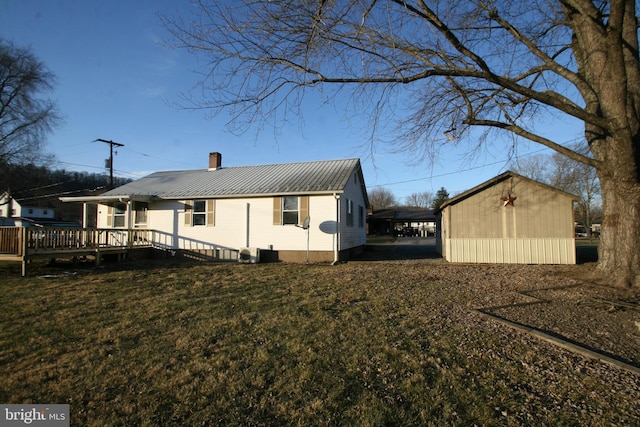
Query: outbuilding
[{"x": 508, "y": 219}]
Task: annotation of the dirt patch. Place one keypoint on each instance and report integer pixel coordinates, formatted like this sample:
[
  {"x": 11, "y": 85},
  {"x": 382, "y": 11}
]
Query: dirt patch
[
  {"x": 599, "y": 318},
  {"x": 580, "y": 307}
]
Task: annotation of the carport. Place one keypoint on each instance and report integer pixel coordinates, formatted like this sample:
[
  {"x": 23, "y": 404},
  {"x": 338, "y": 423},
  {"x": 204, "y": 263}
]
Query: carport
[{"x": 392, "y": 222}]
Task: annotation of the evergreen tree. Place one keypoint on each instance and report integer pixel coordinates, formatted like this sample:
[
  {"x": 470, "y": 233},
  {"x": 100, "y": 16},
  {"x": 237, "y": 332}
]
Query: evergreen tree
[{"x": 441, "y": 196}]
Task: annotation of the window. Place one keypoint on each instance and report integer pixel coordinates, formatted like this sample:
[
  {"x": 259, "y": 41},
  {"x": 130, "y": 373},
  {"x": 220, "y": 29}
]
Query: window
[
  {"x": 119, "y": 212},
  {"x": 360, "y": 216},
  {"x": 141, "y": 209},
  {"x": 290, "y": 213},
  {"x": 199, "y": 212},
  {"x": 290, "y": 209},
  {"x": 349, "y": 213}
]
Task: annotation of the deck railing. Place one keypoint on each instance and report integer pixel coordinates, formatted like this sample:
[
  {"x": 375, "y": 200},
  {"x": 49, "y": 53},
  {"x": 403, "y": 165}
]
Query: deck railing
[
  {"x": 22, "y": 241},
  {"x": 11, "y": 240},
  {"x": 26, "y": 243}
]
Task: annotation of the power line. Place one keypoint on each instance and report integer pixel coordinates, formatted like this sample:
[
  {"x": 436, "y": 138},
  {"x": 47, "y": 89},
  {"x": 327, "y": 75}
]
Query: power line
[
  {"x": 454, "y": 173},
  {"x": 58, "y": 194},
  {"x": 159, "y": 158},
  {"x": 78, "y": 164},
  {"x": 46, "y": 186}
]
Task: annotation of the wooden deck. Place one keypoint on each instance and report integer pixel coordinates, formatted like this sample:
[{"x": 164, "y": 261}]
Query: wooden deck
[{"x": 23, "y": 244}]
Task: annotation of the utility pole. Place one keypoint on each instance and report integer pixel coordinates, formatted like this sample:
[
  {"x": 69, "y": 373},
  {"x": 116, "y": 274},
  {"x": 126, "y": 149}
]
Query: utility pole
[{"x": 111, "y": 144}]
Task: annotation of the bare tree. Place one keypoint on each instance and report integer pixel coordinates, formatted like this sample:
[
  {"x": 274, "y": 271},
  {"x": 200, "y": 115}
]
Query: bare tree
[
  {"x": 568, "y": 175},
  {"x": 535, "y": 167},
  {"x": 25, "y": 117},
  {"x": 381, "y": 198},
  {"x": 419, "y": 200},
  {"x": 578, "y": 179},
  {"x": 435, "y": 67}
]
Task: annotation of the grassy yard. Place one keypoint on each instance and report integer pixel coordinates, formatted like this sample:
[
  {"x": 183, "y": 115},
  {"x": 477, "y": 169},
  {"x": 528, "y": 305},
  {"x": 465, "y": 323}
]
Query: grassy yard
[{"x": 276, "y": 344}]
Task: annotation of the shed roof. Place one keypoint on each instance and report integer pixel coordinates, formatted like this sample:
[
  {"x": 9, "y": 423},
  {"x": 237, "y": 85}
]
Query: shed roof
[
  {"x": 496, "y": 180},
  {"x": 317, "y": 177}
]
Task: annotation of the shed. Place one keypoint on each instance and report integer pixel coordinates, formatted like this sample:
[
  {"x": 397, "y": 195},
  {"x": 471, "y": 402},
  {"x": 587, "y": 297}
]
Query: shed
[{"x": 508, "y": 219}]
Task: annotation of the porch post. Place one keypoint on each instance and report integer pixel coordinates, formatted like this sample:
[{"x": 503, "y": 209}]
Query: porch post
[
  {"x": 129, "y": 223},
  {"x": 84, "y": 215},
  {"x": 23, "y": 248}
]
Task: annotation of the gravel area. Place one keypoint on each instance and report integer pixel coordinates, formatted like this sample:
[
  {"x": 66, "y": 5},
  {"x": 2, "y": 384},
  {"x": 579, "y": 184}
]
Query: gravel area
[
  {"x": 600, "y": 318},
  {"x": 572, "y": 303}
]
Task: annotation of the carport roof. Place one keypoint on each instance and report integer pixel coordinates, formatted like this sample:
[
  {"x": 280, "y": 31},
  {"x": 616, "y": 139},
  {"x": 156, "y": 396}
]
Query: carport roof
[{"x": 404, "y": 215}]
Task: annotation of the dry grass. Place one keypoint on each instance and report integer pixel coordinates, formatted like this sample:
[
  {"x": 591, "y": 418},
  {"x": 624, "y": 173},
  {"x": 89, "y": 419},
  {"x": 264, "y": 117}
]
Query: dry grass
[{"x": 386, "y": 343}]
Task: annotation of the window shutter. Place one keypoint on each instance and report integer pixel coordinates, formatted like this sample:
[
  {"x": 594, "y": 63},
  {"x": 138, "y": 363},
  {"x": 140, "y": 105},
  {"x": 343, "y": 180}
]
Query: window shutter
[
  {"x": 277, "y": 211},
  {"x": 304, "y": 208},
  {"x": 109, "y": 216},
  {"x": 211, "y": 213},
  {"x": 188, "y": 205}
]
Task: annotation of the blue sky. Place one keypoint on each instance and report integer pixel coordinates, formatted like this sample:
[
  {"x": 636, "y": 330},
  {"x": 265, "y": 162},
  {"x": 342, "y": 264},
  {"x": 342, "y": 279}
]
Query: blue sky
[{"x": 116, "y": 81}]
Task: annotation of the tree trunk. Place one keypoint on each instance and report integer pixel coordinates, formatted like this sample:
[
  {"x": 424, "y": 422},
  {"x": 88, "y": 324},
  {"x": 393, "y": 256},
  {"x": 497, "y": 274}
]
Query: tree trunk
[{"x": 619, "y": 252}]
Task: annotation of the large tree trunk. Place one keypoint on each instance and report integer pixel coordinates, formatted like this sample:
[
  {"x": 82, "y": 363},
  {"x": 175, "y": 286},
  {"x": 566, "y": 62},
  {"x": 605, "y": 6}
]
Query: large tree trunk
[
  {"x": 619, "y": 252},
  {"x": 606, "y": 51}
]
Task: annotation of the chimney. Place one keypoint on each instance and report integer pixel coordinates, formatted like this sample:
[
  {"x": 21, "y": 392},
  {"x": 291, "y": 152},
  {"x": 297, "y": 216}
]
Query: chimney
[{"x": 215, "y": 161}]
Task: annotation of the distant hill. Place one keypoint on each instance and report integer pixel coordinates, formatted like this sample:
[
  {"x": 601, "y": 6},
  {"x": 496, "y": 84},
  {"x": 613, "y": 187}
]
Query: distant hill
[{"x": 33, "y": 185}]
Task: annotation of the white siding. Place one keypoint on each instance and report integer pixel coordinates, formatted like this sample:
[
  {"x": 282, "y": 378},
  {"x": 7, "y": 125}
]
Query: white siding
[
  {"x": 352, "y": 236},
  {"x": 249, "y": 222}
]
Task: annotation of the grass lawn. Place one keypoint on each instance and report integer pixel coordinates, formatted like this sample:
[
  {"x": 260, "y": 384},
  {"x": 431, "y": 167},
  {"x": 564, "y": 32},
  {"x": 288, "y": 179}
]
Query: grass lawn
[{"x": 280, "y": 344}]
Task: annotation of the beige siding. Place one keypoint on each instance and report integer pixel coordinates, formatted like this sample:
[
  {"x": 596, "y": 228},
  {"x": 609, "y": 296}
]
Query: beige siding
[
  {"x": 538, "y": 229},
  {"x": 511, "y": 251},
  {"x": 538, "y": 213}
]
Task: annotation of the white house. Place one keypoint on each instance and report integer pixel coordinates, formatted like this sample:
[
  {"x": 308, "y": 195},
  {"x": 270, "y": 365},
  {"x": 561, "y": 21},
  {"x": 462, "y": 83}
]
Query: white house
[
  {"x": 220, "y": 210},
  {"x": 13, "y": 213}
]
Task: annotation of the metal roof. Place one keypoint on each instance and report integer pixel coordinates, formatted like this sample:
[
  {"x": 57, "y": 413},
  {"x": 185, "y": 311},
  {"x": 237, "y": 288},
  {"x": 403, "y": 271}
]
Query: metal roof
[
  {"x": 277, "y": 179},
  {"x": 402, "y": 215}
]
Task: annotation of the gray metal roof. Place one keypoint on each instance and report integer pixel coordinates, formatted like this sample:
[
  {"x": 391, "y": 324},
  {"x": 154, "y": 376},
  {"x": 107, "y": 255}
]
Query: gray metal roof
[{"x": 287, "y": 178}]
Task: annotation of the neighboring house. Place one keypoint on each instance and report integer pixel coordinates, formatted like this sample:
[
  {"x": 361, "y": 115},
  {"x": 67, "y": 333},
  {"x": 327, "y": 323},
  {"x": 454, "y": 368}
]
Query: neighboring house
[
  {"x": 508, "y": 219},
  {"x": 220, "y": 210},
  {"x": 13, "y": 213}
]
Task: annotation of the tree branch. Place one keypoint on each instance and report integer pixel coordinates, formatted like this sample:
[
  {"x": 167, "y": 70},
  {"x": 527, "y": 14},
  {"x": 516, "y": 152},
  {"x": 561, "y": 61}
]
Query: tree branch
[{"x": 536, "y": 138}]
